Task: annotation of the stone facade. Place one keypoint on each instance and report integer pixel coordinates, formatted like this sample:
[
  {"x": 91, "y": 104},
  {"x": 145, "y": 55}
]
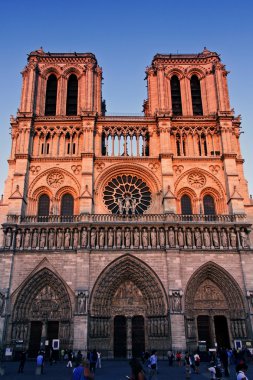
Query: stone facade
[{"x": 125, "y": 233}]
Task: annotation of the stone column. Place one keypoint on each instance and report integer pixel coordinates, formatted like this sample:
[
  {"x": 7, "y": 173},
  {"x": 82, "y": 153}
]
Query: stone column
[{"x": 129, "y": 336}]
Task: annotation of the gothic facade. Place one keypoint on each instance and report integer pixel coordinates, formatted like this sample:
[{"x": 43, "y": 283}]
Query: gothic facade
[{"x": 125, "y": 233}]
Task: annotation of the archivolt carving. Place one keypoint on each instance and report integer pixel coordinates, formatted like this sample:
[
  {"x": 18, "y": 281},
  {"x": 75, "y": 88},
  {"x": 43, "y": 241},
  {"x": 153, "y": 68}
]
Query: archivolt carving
[
  {"x": 200, "y": 73},
  {"x": 75, "y": 69},
  {"x": 170, "y": 71},
  {"x": 128, "y": 270},
  {"x": 48, "y": 69},
  {"x": 43, "y": 296},
  {"x": 226, "y": 290}
]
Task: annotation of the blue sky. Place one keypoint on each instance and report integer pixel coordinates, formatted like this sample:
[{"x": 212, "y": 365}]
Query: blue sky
[{"x": 124, "y": 36}]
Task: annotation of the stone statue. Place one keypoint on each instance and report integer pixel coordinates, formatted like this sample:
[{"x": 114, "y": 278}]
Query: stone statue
[
  {"x": 233, "y": 238},
  {"x": 188, "y": 237},
  {"x": 93, "y": 236},
  {"x": 136, "y": 238},
  {"x": 180, "y": 236},
  {"x": 134, "y": 204},
  {"x": 244, "y": 239},
  {"x": 144, "y": 238},
  {"x": 59, "y": 238},
  {"x": 51, "y": 239},
  {"x": 118, "y": 235},
  {"x": 18, "y": 239},
  {"x": 176, "y": 302},
  {"x": 171, "y": 237},
  {"x": 8, "y": 238},
  {"x": 67, "y": 239},
  {"x": 207, "y": 240},
  {"x": 75, "y": 239},
  {"x": 110, "y": 237},
  {"x": 224, "y": 240},
  {"x": 35, "y": 239},
  {"x": 197, "y": 237},
  {"x": 81, "y": 303},
  {"x": 127, "y": 238},
  {"x": 190, "y": 333},
  {"x": 127, "y": 205},
  {"x": 43, "y": 239},
  {"x": 101, "y": 238},
  {"x": 215, "y": 238},
  {"x": 162, "y": 237},
  {"x": 27, "y": 239},
  {"x": 120, "y": 205},
  {"x": 153, "y": 237},
  {"x": 84, "y": 239}
]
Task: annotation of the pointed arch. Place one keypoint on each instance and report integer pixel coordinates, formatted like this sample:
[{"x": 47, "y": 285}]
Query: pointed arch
[
  {"x": 29, "y": 303},
  {"x": 128, "y": 268},
  {"x": 223, "y": 280}
]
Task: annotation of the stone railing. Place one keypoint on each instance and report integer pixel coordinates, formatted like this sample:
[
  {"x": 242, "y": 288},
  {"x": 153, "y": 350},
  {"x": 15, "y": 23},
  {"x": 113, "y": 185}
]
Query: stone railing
[
  {"x": 109, "y": 232},
  {"x": 145, "y": 218}
]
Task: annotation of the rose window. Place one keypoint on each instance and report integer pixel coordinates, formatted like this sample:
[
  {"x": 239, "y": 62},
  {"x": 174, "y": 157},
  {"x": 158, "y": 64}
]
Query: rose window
[{"x": 127, "y": 195}]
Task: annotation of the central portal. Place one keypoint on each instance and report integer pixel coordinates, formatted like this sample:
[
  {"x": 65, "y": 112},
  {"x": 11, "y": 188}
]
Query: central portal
[{"x": 129, "y": 336}]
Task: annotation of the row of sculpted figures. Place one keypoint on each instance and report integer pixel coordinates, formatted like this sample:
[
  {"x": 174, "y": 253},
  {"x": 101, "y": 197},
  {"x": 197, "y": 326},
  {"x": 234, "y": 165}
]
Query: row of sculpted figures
[{"x": 127, "y": 237}]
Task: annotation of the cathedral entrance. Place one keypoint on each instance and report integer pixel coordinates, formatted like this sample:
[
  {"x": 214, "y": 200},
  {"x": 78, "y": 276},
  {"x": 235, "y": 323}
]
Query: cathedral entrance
[
  {"x": 221, "y": 331},
  {"x": 128, "y": 310},
  {"x": 213, "y": 302},
  {"x": 120, "y": 337},
  {"x": 138, "y": 336},
  {"x": 42, "y": 312},
  {"x": 35, "y": 339}
]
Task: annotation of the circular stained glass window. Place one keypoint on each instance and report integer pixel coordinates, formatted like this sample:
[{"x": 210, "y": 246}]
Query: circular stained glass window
[{"x": 127, "y": 195}]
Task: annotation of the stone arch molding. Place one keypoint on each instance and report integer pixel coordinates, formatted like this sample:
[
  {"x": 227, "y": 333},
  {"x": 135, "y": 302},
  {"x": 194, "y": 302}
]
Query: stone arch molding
[
  {"x": 54, "y": 179},
  {"x": 42, "y": 296},
  {"x": 208, "y": 184},
  {"x": 128, "y": 268},
  {"x": 222, "y": 280},
  {"x": 129, "y": 169}
]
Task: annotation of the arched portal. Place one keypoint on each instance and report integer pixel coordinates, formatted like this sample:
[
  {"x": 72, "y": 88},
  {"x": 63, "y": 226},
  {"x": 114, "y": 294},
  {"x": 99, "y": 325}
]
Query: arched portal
[
  {"x": 42, "y": 311},
  {"x": 128, "y": 298},
  {"x": 214, "y": 308}
]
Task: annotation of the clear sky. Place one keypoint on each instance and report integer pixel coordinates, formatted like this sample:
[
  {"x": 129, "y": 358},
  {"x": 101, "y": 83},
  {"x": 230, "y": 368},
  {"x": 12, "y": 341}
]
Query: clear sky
[{"x": 124, "y": 36}]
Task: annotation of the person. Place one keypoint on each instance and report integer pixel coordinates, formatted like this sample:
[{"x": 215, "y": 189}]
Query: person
[
  {"x": 82, "y": 372},
  {"x": 70, "y": 358},
  {"x": 170, "y": 356},
  {"x": 188, "y": 363},
  {"x": 152, "y": 366},
  {"x": 137, "y": 372},
  {"x": 98, "y": 364},
  {"x": 22, "y": 362},
  {"x": 215, "y": 371},
  {"x": 93, "y": 360},
  {"x": 40, "y": 362},
  {"x": 241, "y": 368},
  {"x": 196, "y": 362},
  {"x": 79, "y": 358},
  {"x": 179, "y": 358}
]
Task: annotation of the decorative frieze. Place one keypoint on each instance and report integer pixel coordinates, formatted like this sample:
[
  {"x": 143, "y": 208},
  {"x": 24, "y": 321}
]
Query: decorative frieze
[{"x": 130, "y": 236}]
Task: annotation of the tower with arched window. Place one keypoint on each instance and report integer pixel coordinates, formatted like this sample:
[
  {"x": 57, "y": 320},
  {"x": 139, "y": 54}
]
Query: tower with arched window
[{"x": 125, "y": 233}]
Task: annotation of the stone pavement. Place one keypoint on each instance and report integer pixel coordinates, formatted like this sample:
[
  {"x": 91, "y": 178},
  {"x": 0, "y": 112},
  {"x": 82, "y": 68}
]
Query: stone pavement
[{"x": 111, "y": 370}]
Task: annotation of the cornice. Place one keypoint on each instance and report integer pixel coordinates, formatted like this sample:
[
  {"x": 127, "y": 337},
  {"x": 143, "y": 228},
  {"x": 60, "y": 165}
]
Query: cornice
[
  {"x": 57, "y": 118},
  {"x": 125, "y": 159},
  {"x": 206, "y": 159},
  {"x": 22, "y": 156},
  {"x": 228, "y": 155},
  {"x": 53, "y": 159}
]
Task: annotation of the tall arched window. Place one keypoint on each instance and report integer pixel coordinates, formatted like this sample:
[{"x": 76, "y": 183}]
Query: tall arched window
[
  {"x": 176, "y": 95},
  {"x": 67, "y": 205},
  {"x": 186, "y": 205},
  {"x": 43, "y": 206},
  {"x": 72, "y": 93},
  {"x": 51, "y": 96},
  {"x": 196, "y": 96},
  {"x": 209, "y": 205}
]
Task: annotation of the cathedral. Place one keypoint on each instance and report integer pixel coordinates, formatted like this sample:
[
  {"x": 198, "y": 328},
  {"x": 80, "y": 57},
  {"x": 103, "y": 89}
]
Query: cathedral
[{"x": 125, "y": 233}]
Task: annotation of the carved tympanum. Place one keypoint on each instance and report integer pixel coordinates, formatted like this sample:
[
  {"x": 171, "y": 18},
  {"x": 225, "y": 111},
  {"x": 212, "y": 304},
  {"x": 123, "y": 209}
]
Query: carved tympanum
[{"x": 209, "y": 296}]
